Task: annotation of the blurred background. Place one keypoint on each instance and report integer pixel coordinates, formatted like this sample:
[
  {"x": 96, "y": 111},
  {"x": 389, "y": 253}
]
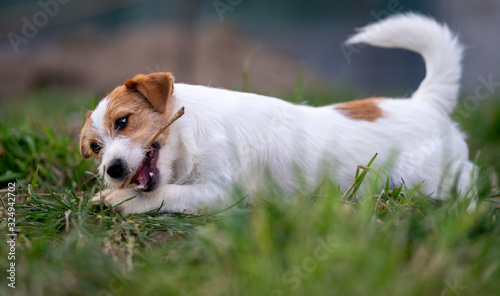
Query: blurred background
[
  {"x": 58, "y": 57},
  {"x": 91, "y": 46}
]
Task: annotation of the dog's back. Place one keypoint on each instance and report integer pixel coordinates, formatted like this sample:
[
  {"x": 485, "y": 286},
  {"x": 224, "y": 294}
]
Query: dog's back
[
  {"x": 228, "y": 138},
  {"x": 415, "y": 138}
]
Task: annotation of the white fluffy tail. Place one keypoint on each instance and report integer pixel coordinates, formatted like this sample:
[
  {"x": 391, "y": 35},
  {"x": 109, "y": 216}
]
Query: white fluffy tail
[{"x": 441, "y": 50}]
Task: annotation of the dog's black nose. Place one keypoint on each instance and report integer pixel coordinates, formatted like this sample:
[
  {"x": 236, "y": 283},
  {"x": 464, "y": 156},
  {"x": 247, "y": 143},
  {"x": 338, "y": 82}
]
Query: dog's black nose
[{"x": 116, "y": 169}]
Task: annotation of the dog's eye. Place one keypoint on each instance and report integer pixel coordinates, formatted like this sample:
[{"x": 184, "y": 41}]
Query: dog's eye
[
  {"x": 121, "y": 123},
  {"x": 95, "y": 147}
]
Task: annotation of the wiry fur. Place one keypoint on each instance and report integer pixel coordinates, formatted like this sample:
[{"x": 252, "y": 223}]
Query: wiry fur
[{"x": 229, "y": 138}]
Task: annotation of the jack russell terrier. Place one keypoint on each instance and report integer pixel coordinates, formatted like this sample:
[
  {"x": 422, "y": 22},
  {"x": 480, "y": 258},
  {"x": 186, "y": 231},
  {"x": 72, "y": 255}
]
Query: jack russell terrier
[{"x": 228, "y": 138}]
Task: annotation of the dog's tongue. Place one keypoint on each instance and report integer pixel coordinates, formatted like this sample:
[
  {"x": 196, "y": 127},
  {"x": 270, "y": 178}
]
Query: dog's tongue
[{"x": 147, "y": 170}]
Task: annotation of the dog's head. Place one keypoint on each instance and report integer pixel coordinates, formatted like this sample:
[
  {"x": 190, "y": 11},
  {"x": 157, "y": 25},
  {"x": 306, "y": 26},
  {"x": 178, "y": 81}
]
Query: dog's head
[{"x": 116, "y": 131}]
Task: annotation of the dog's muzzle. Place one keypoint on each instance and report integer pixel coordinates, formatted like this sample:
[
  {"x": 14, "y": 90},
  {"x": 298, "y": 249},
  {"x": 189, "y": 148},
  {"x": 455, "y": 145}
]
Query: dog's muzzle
[{"x": 117, "y": 169}]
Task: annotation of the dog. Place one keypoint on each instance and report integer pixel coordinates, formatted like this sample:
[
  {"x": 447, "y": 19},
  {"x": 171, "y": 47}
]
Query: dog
[{"x": 228, "y": 138}]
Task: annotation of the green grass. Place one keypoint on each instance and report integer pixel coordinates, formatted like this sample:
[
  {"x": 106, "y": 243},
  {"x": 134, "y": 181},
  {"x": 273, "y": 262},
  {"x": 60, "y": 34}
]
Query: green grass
[{"x": 385, "y": 242}]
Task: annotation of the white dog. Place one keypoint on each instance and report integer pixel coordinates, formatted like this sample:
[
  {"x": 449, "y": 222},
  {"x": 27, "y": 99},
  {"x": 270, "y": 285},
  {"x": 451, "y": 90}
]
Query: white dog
[{"x": 228, "y": 138}]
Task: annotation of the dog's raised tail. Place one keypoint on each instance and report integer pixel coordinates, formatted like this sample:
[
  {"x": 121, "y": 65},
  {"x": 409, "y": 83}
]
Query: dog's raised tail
[{"x": 440, "y": 48}]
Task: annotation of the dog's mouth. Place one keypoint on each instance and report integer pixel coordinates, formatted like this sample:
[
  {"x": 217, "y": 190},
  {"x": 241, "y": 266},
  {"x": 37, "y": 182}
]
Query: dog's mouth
[{"x": 147, "y": 174}]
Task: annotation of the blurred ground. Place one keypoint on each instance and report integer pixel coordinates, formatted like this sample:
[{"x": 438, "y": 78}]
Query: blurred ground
[{"x": 95, "y": 61}]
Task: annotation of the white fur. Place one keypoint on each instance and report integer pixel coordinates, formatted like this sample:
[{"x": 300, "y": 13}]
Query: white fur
[
  {"x": 120, "y": 148},
  {"x": 441, "y": 50},
  {"x": 229, "y": 138},
  {"x": 97, "y": 117}
]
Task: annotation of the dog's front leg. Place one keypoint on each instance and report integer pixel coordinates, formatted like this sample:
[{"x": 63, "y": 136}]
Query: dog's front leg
[
  {"x": 168, "y": 198},
  {"x": 119, "y": 199},
  {"x": 190, "y": 198}
]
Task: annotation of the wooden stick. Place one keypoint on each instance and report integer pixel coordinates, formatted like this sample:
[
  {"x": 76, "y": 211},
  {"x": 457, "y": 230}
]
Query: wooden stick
[
  {"x": 176, "y": 116},
  {"x": 148, "y": 144}
]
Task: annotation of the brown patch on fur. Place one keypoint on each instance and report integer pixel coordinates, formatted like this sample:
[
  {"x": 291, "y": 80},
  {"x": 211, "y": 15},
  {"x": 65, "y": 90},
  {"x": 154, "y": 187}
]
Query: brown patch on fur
[
  {"x": 366, "y": 109},
  {"x": 146, "y": 102}
]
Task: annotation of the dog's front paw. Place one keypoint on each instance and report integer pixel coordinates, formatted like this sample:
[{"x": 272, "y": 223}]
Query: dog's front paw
[
  {"x": 121, "y": 200},
  {"x": 101, "y": 196}
]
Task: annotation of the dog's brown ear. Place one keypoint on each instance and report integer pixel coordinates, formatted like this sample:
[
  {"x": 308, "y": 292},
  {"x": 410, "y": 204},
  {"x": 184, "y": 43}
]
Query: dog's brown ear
[
  {"x": 155, "y": 87},
  {"x": 85, "y": 151},
  {"x": 88, "y": 114},
  {"x": 84, "y": 147}
]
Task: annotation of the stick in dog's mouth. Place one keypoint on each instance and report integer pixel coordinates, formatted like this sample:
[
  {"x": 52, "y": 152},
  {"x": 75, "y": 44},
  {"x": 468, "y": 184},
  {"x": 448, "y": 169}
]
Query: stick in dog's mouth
[{"x": 147, "y": 169}]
